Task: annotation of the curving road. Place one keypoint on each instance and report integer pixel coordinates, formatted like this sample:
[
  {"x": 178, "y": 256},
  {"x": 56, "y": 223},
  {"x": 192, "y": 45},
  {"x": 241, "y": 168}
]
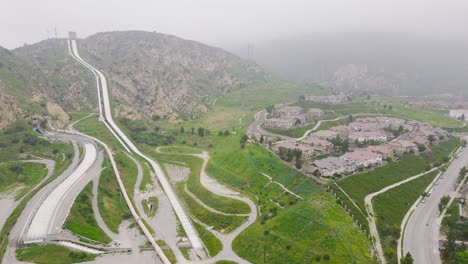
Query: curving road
[
  {"x": 421, "y": 236},
  {"x": 130, "y": 147}
]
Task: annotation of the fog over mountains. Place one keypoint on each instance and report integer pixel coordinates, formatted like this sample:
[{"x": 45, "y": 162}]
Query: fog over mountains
[{"x": 389, "y": 64}]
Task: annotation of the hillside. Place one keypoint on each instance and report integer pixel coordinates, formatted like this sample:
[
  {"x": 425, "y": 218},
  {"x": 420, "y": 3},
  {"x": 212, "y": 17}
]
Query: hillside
[
  {"x": 157, "y": 74},
  {"x": 41, "y": 79},
  {"x": 150, "y": 74}
]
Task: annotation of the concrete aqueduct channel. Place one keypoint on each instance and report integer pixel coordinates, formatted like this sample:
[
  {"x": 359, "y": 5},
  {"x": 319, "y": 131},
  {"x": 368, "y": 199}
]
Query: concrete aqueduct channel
[{"x": 106, "y": 116}]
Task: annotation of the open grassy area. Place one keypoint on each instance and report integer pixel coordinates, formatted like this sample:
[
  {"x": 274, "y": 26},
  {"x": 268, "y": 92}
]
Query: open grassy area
[
  {"x": 179, "y": 150},
  {"x": 299, "y": 234},
  {"x": 359, "y": 185},
  {"x": 440, "y": 152},
  {"x": 391, "y": 206},
  {"x": 52, "y": 254},
  {"x": 211, "y": 242},
  {"x": 289, "y": 229},
  {"x": 81, "y": 219},
  {"x": 20, "y": 177},
  {"x": 111, "y": 203},
  {"x": 295, "y": 132},
  {"x": 219, "y": 222},
  {"x": 223, "y": 204}
]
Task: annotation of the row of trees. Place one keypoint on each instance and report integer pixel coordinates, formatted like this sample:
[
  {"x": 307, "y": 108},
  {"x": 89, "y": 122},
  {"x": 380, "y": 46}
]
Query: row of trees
[{"x": 291, "y": 154}]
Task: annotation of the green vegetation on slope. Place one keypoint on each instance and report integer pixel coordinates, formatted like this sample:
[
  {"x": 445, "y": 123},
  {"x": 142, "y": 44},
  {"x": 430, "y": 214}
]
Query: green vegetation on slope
[
  {"x": 210, "y": 241},
  {"x": 288, "y": 228},
  {"x": 52, "y": 254},
  {"x": 20, "y": 177},
  {"x": 223, "y": 204},
  {"x": 111, "y": 203},
  {"x": 295, "y": 132},
  {"x": 317, "y": 227},
  {"x": 219, "y": 222},
  {"x": 391, "y": 206},
  {"x": 81, "y": 219},
  {"x": 360, "y": 185}
]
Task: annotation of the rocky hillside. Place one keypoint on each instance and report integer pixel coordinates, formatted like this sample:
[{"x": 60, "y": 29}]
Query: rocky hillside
[
  {"x": 157, "y": 74},
  {"x": 150, "y": 74},
  {"x": 41, "y": 79}
]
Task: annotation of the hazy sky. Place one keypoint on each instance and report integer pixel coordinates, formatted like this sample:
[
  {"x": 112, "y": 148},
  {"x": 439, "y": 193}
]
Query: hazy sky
[{"x": 226, "y": 21}]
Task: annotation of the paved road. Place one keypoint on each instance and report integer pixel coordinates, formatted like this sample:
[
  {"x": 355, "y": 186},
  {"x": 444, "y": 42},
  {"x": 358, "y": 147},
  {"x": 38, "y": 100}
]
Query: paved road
[
  {"x": 421, "y": 237},
  {"x": 128, "y": 144},
  {"x": 370, "y": 211}
]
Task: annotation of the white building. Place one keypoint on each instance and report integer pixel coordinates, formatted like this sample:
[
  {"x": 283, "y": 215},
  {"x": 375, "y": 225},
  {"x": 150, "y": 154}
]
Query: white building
[{"x": 367, "y": 136}]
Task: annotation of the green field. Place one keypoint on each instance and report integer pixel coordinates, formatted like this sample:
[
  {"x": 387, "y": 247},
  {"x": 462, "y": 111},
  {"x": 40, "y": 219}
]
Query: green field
[
  {"x": 52, "y": 254},
  {"x": 111, "y": 203},
  {"x": 315, "y": 227},
  {"x": 440, "y": 152},
  {"x": 295, "y": 132},
  {"x": 81, "y": 219},
  {"x": 223, "y": 204},
  {"x": 20, "y": 177},
  {"x": 219, "y": 222},
  {"x": 360, "y": 185},
  {"x": 297, "y": 226},
  {"x": 390, "y": 208}
]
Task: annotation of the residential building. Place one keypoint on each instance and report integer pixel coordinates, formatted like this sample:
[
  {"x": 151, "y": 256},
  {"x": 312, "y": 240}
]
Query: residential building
[
  {"x": 402, "y": 146},
  {"x": 318, "y": 144},
  {"x": 333, "y": 165},
  {"x": 325, "y": 134},
  {"x": 287, "y": 112},
  {"x": 385, "y": 150},
  {"x": 307, "y": 151},
  {"x": 362, "y": 157},
  {"x": 367, "y": 136},
  {"x": 315, "y": 113},
  {"x": 281, "y": 123}
]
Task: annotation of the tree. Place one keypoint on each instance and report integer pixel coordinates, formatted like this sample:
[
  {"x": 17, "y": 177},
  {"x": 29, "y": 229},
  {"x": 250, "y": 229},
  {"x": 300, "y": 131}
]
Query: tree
[
  {"x": 301, "y": 97},
  {"x": 261, "y": 139},
  {"x": 463, "y": 117},
  {"x": 155, "y": 118},
  {"x": 226, "y": 133},
  {"x": 421, "y": 147},
  {"x": 443, "y": 202},
  {"x": 182, "y": 130},
  {"x": 350, "y": 117},
  {"x": 390, "y": 107},
  {"x": 201, "y": 131},
  {"x": 407, "y": 259},
  {"x": 244, "y": 138},
  {"x": 270, "y": 108},
  {"x": 431, "y": 139},
  {"x": 220, "y": 133},
  {"x": 193, "y": 130}
]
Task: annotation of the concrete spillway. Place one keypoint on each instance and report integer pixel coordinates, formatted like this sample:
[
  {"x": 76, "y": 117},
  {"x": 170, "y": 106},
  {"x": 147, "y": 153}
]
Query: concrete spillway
[
  {"x": 129, "y": 146},
  {"x": 44, "y": 219}
]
